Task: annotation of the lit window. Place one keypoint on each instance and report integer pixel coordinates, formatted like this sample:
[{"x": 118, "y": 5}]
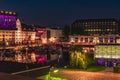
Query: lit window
[
  {"x": 2, "y": 11},
  {"x": 6, "y": 12},
  {"x": 101, "y": 39},
  {"x": 111, "y": 39},
  {"x": 10, "y": 12}
]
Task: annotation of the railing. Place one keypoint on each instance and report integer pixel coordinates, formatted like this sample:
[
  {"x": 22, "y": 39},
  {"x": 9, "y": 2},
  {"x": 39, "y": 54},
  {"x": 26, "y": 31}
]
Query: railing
[{"x": 34, "y": 72}]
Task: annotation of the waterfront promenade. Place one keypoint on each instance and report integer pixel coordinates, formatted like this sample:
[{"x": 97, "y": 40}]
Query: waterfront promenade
[{"x": 81, "y": 75}]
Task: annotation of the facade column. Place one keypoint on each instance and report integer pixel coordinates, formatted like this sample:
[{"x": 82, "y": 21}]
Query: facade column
[
  {"x": 79, "y": 39},
  {"x": 103, "y": 39},
  {"x": 88, "y": 40}
]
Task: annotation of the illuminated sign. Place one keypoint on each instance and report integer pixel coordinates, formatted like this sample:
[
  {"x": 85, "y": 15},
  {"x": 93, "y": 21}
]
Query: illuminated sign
[{"x": 41, "y": 31}]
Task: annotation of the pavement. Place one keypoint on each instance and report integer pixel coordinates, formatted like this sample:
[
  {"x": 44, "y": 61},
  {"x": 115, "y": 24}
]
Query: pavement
[
  {"x": 83, "y": 75},
  {"x": 5, "y": 76}
]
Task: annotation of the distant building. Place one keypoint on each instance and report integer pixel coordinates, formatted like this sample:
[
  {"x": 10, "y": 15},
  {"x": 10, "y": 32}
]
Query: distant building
[{"x": 95, "y": 26}]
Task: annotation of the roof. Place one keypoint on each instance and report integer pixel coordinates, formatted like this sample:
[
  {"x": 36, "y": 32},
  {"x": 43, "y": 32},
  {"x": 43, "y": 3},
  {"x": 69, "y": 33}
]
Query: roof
[
  {"x": 95, "y": 20},
  {"x": 26, "y": 27},
  {"x": 11, "y": 13}
]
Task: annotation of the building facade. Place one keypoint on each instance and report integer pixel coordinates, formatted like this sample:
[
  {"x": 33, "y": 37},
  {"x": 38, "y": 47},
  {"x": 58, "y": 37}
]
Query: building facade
[
  {"x": 28, "y": 34},
  {"x": 95, "y": 26},
  {"x": 90, "y": 32},
  {"x": 13, "y": 32},
  {"x": 49, "y": 35},
  {"x": 7, "y": 27},
  {"x": 89, "y": 42},
  {"x": 108, "y": 54}
]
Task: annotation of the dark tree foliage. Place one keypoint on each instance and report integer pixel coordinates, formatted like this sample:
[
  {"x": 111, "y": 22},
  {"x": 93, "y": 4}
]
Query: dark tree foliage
[{"x": 66, "y": 31}]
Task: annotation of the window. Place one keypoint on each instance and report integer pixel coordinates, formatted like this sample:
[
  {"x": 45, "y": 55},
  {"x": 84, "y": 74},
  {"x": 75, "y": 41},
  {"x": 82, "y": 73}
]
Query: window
[
  {"x": 76, "y": 39},
  {"x": 86, "y": 39},
  {"x": 101, "y": 40},
  {"x": 91, "y": 40},
  {"x": 111, "y": 40},
  {"x": 106, "y": 40},
  {"x": 81, "y": 39}
]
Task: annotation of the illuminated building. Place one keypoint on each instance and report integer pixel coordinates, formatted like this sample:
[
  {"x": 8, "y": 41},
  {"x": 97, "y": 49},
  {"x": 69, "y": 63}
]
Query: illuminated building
[
  {"x": 49, "y": 35},
  {"x": 7, "y": 27},
  {"x": 12, "y": 31},
  {"x": 107, "y": 51},
  {"x": 39, "y": 33},
  {"x": 25, "y": 34},
  {"x": 90, "y": 41},
  {"x": 90, "y": 32},
  {"x": 95, "y": 26},
  {"x": 108, "y": 54},
  {"x": 28, "y": 34}
]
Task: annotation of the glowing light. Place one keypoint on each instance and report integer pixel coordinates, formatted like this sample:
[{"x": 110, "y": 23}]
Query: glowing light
[
  {"x": 72, "y": 40},
  {"x": 85, "y": 51},
  {"x": 7, "y": 43},
  {"x": 56, "y": 78},
  {"x": 100, "y": 61},
  {"x": 41, "y": 59},
  {"x": 55, "y": 71},
  {"x": 52, "y": 39},
  {"x": 44, "y": 40},
  {"x": 41, "y": 31},
  {"x": 96, "y": 40},
  {"x": 2, "y": 11}
]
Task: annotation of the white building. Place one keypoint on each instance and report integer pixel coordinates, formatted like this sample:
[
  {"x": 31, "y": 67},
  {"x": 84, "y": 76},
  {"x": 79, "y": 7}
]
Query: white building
[
  {"x": 49, "y": 35},
  {"x": 24, "y": 33}
]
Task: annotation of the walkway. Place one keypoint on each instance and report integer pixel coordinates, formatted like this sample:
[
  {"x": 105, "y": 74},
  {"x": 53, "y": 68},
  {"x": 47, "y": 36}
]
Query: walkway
[
  {"x": 5, "y": 76},
  {"x": 81, "y": 75}
]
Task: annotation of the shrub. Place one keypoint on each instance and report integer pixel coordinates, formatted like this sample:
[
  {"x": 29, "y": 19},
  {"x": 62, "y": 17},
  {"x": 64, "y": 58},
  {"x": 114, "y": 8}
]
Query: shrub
[{"x": 116, "y": 69}]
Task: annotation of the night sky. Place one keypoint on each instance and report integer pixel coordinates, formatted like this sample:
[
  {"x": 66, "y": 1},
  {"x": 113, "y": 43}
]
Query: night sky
[{"x": 61, "y": 12}]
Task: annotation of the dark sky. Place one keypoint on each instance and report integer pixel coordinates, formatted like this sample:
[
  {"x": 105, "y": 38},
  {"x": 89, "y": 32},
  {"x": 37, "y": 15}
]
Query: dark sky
[{"x": 61, "y": 12}]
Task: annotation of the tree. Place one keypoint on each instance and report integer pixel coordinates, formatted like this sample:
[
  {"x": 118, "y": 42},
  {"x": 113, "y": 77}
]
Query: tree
[
  {"x": 78, "y": 58},
  {"x": 66, "y": 31}
]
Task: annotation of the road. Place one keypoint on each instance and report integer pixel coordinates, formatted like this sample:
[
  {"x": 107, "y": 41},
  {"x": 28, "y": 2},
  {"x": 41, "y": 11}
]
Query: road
[{"x": 81, "y": 75}]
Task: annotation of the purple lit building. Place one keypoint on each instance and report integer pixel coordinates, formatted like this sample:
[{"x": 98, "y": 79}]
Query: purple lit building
[
  {"x": 7, "y": 20},
  {"x": 7, "y": 27}
]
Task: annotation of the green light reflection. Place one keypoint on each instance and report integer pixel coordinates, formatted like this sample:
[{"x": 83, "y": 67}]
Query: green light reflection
[{"x": 48, "y": 77}]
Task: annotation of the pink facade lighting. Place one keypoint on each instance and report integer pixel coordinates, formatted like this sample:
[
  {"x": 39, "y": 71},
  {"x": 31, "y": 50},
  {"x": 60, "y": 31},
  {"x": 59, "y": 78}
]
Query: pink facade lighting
[{"x": 40, "y": 59}]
